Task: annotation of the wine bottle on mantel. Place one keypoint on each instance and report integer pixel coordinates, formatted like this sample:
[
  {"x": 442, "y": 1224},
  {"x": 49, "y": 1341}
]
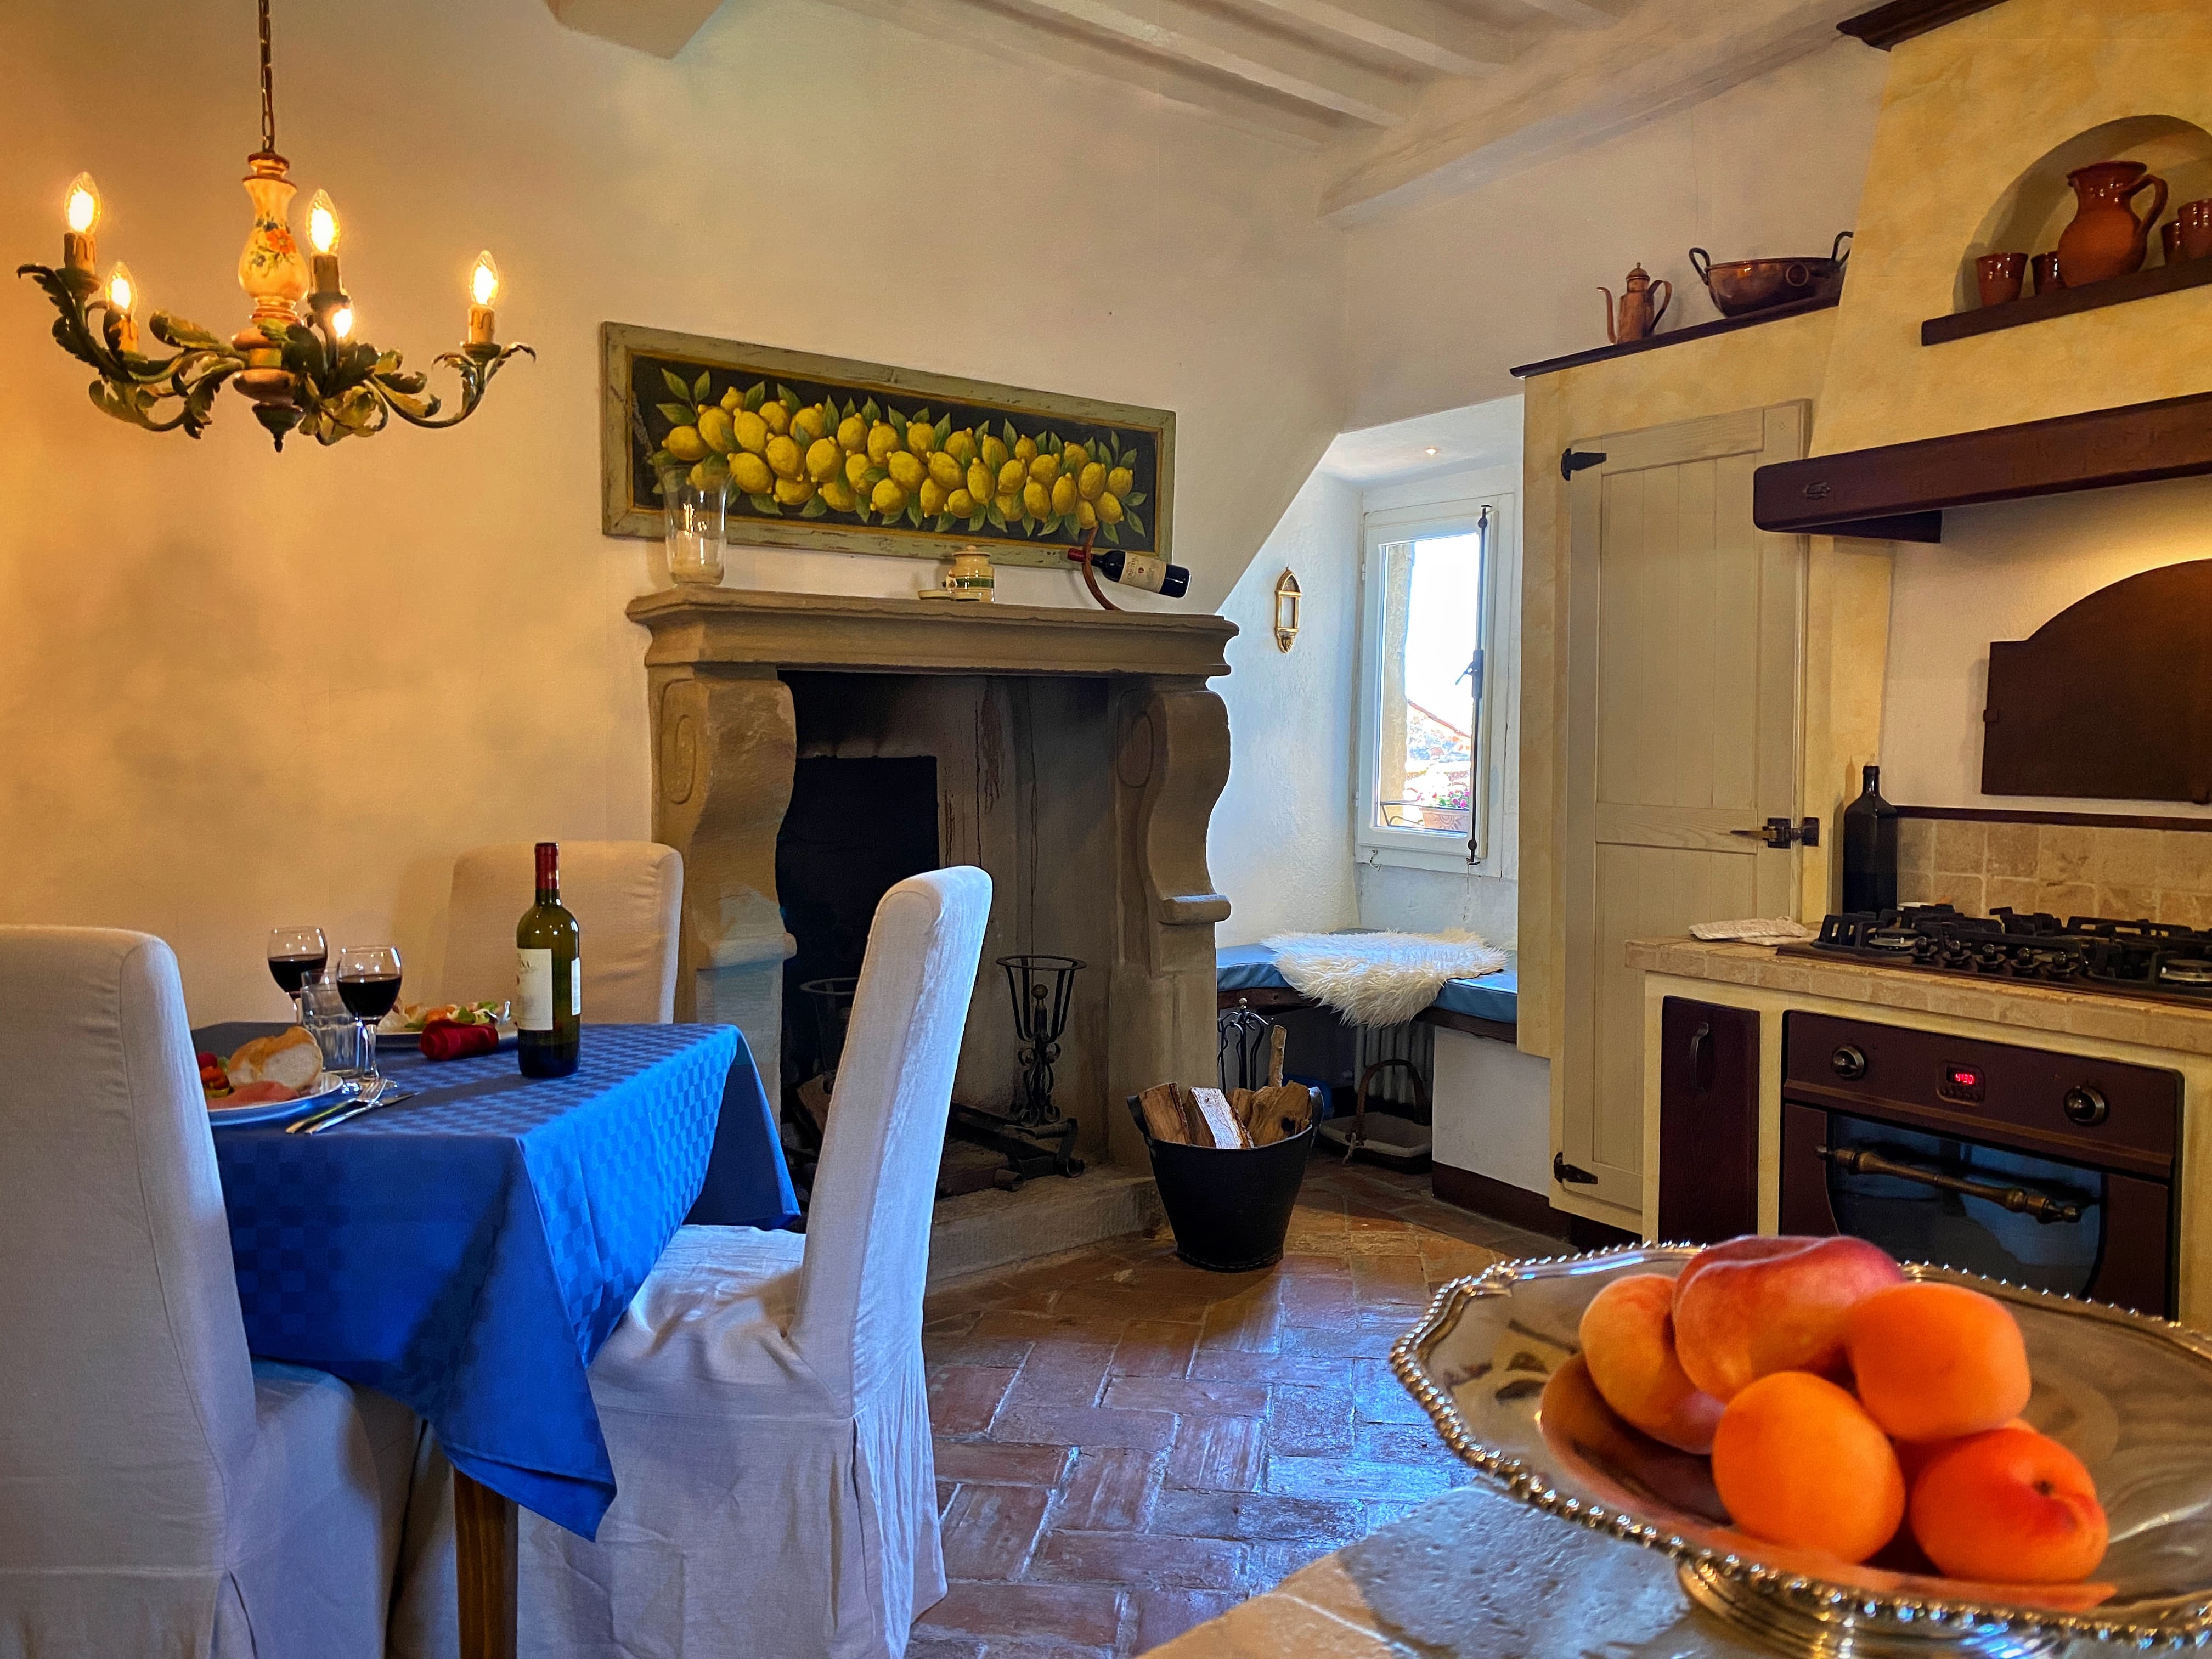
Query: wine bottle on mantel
[
  {"x": 1870, "y": 849},
  {"x": 1141, "y": 570},
  {"x": 548, "y": 982}
]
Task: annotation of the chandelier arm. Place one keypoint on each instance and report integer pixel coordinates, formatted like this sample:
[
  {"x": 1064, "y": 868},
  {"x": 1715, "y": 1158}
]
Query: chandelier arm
[
  {"x": 475, "y": 368},
  {"x": 132, "y": 385}
]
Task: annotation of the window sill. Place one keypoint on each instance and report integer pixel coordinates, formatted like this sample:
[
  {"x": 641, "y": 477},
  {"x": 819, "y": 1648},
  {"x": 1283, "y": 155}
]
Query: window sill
[{"x": 1448, "y": 859}]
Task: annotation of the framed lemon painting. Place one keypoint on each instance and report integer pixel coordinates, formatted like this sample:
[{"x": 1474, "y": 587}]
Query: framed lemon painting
[{"x": 862, "y": 457}]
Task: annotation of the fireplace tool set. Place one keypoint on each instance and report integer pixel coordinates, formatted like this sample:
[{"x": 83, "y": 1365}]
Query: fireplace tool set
[{"x": 1034, "y": 1139}]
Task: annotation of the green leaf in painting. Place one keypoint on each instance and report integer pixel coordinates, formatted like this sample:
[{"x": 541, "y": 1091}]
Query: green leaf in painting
[
  {"x": 998, "y": 519},
  {"x": 1112, "y": 533},
  {"x": 975, "y": 524},
  {"x": 815, "y": 508},
  {"x": 1134, "y": 498},
  {"x": 675, "y": 383},
  {"x": 1052, "y": 445},
  {"x": 849, "y": 410},
  {"x": 869, "y": 412},
  {"x": 675, "y": 414},
  {"x": 786, "y": 396},
  {"x": 920, "y": 418},
  {"x": 762, "y": 503},
  {"x": 1013, "y": 438},
  {"x": 1136, "y": 525},
  {"x": 704, "y": 388},
  {"x": 913, "y": 513},
  {"x": 896, "y": 419},
  {"x": 757, "y": 395},
  {"x": 872, "y": 476},
  {"x": 943, "y": 519},
  {"x": 944, "y": 426}
]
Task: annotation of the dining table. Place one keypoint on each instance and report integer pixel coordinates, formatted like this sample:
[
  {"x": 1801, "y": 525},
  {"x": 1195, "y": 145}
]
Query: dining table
[{"x": 467, "y": 1246}]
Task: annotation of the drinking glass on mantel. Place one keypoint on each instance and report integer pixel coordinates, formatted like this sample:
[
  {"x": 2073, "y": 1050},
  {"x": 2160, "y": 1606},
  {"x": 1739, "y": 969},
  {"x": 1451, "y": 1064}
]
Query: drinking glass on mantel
[
  {"x": 368, "y": 980},
  {"x": 694, "y": 515},
  {"x": 296, "y": 955}
]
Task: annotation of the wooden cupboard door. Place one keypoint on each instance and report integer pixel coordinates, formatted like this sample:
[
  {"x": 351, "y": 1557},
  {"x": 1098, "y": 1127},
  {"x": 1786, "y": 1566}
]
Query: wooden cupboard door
[
  {"x": 1708, "y": 1061},
  {"x": 1684, "y": 626}
]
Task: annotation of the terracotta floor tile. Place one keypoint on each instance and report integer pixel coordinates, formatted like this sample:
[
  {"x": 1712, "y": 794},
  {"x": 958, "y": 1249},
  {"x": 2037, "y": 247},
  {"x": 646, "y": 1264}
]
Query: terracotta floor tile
[
  {"x": 1337, "y": 1479},
  {"x": 1250, "y": 1321},
  {"x": 1286, "y": 1365},
  {"x": 1184, "y": 1394},
  {"x": 966, "y": 1348},
  {"x": 989, "y": 1530},
  {"x": 1107, "y": 1490},
  {"x": 1313, "y": 1300},
  {"x": 1307, "y": 1422},
  {"x": 1390, "y": 1279},
  {"x": 1250, "y": 1516},
  {"x": 1060, "y": 1373},
  {"x": 1163, "y": 1615},
  {"x": 1379, "y": 1397},
  {"x": 1134, "y": 1557},
  {"x": 1218, "y": 1454},
  {"x": 1154, "y": 1348},
  {"x": 944, "y": 1647},
  {"x": 1084, "y": 1613},
  {"x": 1347, "y": 1343},
  {"x": 1005, "y": 1466},
  {"x": 964, "y": 1399},
  {"x": 1084, "y": 1425}
]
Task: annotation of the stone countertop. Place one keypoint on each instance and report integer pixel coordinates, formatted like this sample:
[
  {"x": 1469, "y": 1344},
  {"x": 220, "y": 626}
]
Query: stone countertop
[
  {"x": 2044, "y": 1008},
  {"x": 1473, "y": 1574}
]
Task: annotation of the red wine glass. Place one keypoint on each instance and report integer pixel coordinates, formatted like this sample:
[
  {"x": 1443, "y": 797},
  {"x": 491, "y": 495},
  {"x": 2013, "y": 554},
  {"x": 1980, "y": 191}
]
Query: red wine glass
[
  {"x": 368, "y": 981},
  {"x": 296, "y": 955}
]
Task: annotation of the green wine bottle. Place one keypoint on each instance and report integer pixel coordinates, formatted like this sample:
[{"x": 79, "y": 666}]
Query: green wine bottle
[{"x": 548, "y": 984}]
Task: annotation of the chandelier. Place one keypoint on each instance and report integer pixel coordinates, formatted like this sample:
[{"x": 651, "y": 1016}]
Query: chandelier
[{"x": 297, "y": 360}]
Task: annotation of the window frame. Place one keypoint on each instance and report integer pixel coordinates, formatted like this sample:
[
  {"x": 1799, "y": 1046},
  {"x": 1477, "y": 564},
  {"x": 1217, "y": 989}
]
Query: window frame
[{"x": 1478, "y": 853}]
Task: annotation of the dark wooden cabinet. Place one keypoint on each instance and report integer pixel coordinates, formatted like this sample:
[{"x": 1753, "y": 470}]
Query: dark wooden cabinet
[{"x": 1708, "y": 1121}]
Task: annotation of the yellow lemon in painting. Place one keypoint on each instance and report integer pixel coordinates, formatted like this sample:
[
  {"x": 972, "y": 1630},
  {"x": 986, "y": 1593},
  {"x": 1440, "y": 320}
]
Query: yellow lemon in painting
[
  {"x": 823, "y": 459},
  {"x": 839, "y": 494},
  {"x": 887, "y": 498},
  {"x": 920, "y": 439},
  {"x": 1036, "y": 500},
  {"x": 794, "y": 492},
  {"x": 906, "y": 468},
  {"x": 1044, "y": 469},
  {"x": 702, "y": 476},
  {"x": 783, "y": 457},
  {"x": 961, "y": 504},
  {"x": 1012, "y": 476},
  {"x": 732, "y": 399},
  {"x": 856, "y": 470},
  {"x": 993, "y": 455},
  {"x": 960, "y": 446},
  {"x": 1086, "y": 516},
  {"x": 777, "y": 417},
  {"x": 1109, "y": 508},
  {"x": 752, "y": 474},
  {"x": 1073, "y": 458},
  {"x": 883, "y": 438},
  {"x": 715, "y": 432},
  {"x": 932, "y": 498},
  {"x": 1025, "y": 450},
  {"x": 751, "y": 431},
  {"x": 982, "y": 482},
  {"x": 1010, "y": 507},
  {"x": 1092, "y": 484},
  {"x": 1120, "y": 481},
  {"x": 808, "y": 424},
  {"x": 946, "y": 470},
  {"x": 1063, "y": 495},
  {"x": 686, "y": 444},
  {"x": 852, "y": 434}
]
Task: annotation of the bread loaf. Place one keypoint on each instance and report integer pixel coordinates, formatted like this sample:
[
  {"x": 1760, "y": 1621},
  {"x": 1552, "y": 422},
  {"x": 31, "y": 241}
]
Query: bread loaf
[{"x": 290, "y": 1058}]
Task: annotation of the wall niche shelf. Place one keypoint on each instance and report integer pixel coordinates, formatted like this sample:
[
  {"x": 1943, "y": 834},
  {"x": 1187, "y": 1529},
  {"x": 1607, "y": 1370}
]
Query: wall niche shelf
[
  {"x": 2065, "y": 301},
  {"x": 1678, "y": 336}
]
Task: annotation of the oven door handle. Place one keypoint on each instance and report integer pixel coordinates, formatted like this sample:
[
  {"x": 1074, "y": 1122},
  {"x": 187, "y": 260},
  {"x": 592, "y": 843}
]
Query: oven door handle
[{"x": 2016, "y": 1199}]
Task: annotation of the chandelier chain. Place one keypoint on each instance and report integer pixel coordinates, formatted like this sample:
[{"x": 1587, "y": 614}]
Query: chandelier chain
[{"x": 268, "y": 90}]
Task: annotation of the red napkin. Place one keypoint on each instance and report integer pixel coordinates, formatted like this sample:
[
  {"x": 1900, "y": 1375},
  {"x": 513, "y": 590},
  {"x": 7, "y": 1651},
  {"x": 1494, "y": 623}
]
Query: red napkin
[{"x": 446, "y": 1039}]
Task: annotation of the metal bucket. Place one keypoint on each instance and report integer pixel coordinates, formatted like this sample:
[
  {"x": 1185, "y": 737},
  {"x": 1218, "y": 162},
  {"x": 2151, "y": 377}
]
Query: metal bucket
[{"x": 1230, "y": 1207}]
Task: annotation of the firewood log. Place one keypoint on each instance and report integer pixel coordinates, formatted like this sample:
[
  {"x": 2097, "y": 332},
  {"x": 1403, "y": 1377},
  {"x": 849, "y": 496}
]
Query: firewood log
[
  {"x": 1163, "y": 1118},
  {"x": 1222, "y": 1128}
]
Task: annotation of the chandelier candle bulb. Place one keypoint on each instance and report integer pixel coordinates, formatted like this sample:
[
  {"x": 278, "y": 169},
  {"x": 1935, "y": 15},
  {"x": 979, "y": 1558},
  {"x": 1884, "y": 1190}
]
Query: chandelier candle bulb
[
  {"x": 483, "y": 289},
  {"x": 122, "y": 324},
  {"x": 80, "y": 214},
  {"x": 323, "y": 237}
]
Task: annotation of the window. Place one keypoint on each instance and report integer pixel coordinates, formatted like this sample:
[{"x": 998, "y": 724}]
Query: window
[{"x": 1428, "y": 588}]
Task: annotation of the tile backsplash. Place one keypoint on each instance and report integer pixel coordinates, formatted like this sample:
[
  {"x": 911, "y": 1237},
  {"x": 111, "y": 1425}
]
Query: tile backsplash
[{"x": 2068, "y": 869}]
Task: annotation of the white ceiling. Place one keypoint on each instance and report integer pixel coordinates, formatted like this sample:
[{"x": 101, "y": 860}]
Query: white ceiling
[{"x": 1450, "y": 441}]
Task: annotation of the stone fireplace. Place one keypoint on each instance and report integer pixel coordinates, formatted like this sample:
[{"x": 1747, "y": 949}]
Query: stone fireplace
[{"x": 1078, "y": 755}]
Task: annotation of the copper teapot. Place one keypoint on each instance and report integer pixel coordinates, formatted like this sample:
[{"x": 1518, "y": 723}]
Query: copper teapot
[{"x": 1634, "y": 316}]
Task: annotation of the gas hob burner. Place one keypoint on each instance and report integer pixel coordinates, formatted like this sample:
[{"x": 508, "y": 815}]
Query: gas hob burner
[
  {"x": 2186, "y": 972},
  {"x": 2159, "y": 960}
]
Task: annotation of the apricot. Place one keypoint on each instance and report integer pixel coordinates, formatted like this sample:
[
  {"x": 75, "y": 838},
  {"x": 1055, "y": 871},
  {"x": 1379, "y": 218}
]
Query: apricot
[
  {"x": 1934, "y": 1362},
  {"x": 1628, "y": 1342},
  {"x": 2010, "y": 1505},
  {"x": 1753, "y": 1306},
  {"x": 1798, "y": 1463}
]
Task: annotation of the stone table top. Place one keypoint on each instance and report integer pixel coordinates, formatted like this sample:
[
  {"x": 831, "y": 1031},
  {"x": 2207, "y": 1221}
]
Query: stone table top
[{"x": 1473, "y": 1575}]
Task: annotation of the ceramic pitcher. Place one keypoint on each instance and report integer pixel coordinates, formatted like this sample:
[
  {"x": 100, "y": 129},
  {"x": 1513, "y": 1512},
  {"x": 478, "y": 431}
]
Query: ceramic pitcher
[
  {"x": 1634, "y": 316},
  {"x": 2106, "y": 238}
]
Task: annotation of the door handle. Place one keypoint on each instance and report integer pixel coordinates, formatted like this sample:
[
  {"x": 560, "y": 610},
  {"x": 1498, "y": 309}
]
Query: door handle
[
  {"x": 1701, "y": 1047},
  {"x": 2018, "y": 1199},
  {"x": 1781, "y": 834}
]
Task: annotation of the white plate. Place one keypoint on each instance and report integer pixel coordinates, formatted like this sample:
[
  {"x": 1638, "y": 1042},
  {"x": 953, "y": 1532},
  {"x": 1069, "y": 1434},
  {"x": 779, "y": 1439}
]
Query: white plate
[
  {"x": 405, "y": 1040},
  {"x": 276, "y": 1111}
]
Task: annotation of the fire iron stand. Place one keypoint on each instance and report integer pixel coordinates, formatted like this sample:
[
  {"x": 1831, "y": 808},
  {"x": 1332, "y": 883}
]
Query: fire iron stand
[{"x": 1032, "y": 1133}]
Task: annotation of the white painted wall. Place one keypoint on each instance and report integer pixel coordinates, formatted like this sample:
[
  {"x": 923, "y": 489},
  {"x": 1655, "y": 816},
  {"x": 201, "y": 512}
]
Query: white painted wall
[
  {"x": 1440, "y": 300},
  {"x": 2000, "y": 573},
  {"x": 1493, "y": 1110},
  {"x": 242, "y": 689},
  {"x": 1280, "y": 842}
]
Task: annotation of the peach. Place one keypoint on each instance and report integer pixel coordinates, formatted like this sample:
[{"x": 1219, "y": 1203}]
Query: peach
[
  {"x": 2011, "y": 1505},
  {"x": 1753, "y": 1306},
  {"x": 1798, "y": 1463},
  {"x": 1628, "y": 1342},
  {"x": 1934, "y": 1362}
]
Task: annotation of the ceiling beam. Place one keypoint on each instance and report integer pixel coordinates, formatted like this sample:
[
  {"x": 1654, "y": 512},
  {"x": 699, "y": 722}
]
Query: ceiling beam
[
  {"x": 1418, "y": 32},
  {"x": 1582, "y": 13},
  {"x": 663, "y": 28},
  {"x": 1569, "y": 91},
  {"x": 1221, "y": 44},
  {"x": 1015, "y": 38}
]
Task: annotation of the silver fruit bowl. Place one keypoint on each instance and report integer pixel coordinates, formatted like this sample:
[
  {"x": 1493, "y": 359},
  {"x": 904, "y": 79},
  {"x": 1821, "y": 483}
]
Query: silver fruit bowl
[{"x": 1495, "y": 1364}]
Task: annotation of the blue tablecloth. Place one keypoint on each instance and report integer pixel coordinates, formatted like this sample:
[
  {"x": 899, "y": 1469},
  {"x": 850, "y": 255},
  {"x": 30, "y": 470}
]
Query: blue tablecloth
[
  {"x": 1494, "y": 996},
  {"x": 469, "y": 1250}
]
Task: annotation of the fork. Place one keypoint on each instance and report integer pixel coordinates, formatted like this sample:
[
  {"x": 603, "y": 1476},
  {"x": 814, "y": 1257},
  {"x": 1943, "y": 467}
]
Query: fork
[{"x": 383, "y": 1097}]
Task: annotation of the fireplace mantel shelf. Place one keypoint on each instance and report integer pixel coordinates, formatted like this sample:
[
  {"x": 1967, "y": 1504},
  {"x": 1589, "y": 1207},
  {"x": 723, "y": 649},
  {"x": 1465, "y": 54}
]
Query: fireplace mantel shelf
[{"x": 914, "y": 636}]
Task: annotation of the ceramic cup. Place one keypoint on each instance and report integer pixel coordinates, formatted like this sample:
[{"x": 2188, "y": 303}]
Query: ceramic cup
[
  {"x": 971, "y": 576},
  {"x": 1998, "y": 276},
  {"x": 2169, "y": 238},
  {"x": 2194, "y": 219},
  {"x": 2047, "y": 279}
]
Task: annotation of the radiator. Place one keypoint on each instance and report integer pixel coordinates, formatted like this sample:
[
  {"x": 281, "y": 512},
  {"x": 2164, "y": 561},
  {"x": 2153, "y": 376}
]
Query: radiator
[{"x": 1414, "y": 1042}]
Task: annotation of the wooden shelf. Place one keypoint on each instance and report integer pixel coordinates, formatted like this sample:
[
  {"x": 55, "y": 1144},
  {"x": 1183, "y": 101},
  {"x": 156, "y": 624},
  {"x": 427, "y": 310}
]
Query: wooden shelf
[
  {"x": 2065, "y": 301},
  {"x": 1675, "y": 337},
  {"x": 1900, "y": 20},
  {"x": 1898, "y": 492}
]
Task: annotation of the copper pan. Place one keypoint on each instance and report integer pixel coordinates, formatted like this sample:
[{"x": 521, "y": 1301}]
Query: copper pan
[{"x": 1740, "y": 287}]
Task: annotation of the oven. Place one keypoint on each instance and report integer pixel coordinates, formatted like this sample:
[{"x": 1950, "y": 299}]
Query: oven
[{"x": 2049, "y": 1169}]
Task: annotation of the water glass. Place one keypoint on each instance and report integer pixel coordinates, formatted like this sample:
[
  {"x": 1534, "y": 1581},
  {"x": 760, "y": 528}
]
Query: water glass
[
  {"x": 694, "y": 514},
  {"x": 331, "y": 1023}
]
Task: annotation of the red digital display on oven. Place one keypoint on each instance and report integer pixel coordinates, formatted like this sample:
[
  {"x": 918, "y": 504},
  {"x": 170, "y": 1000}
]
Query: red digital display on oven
[{"x": 1962, "y": 1083}]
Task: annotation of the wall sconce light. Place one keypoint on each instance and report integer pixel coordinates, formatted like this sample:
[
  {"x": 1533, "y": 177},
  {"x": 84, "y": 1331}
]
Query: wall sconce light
[{"x": 1288, "y": 598}]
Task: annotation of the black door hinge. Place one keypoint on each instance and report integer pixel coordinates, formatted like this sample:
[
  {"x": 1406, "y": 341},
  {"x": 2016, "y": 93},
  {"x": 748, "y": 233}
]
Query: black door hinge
[
  {"x": 1568, "y": 1175},
  {"x": 1572, "y": 461}
]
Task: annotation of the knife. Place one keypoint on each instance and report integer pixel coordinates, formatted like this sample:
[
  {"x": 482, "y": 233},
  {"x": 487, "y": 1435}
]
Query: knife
[{"x": 330, "y": 1120}]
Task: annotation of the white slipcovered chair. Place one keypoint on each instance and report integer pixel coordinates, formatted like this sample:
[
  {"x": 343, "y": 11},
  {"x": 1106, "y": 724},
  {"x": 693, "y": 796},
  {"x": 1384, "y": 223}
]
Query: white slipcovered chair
[
  {"x": 627, "y": 897},
  {"x": 160, "y": 1491},
  {"x": 763, "y": 1397}
]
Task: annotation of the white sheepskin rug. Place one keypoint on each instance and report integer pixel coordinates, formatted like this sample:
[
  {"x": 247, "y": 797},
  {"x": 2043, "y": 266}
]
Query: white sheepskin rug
[{"x": 1380, "y": 979}]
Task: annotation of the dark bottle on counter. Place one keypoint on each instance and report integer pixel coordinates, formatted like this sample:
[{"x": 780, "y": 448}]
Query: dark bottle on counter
[{"x": 1870, "y": 849}]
